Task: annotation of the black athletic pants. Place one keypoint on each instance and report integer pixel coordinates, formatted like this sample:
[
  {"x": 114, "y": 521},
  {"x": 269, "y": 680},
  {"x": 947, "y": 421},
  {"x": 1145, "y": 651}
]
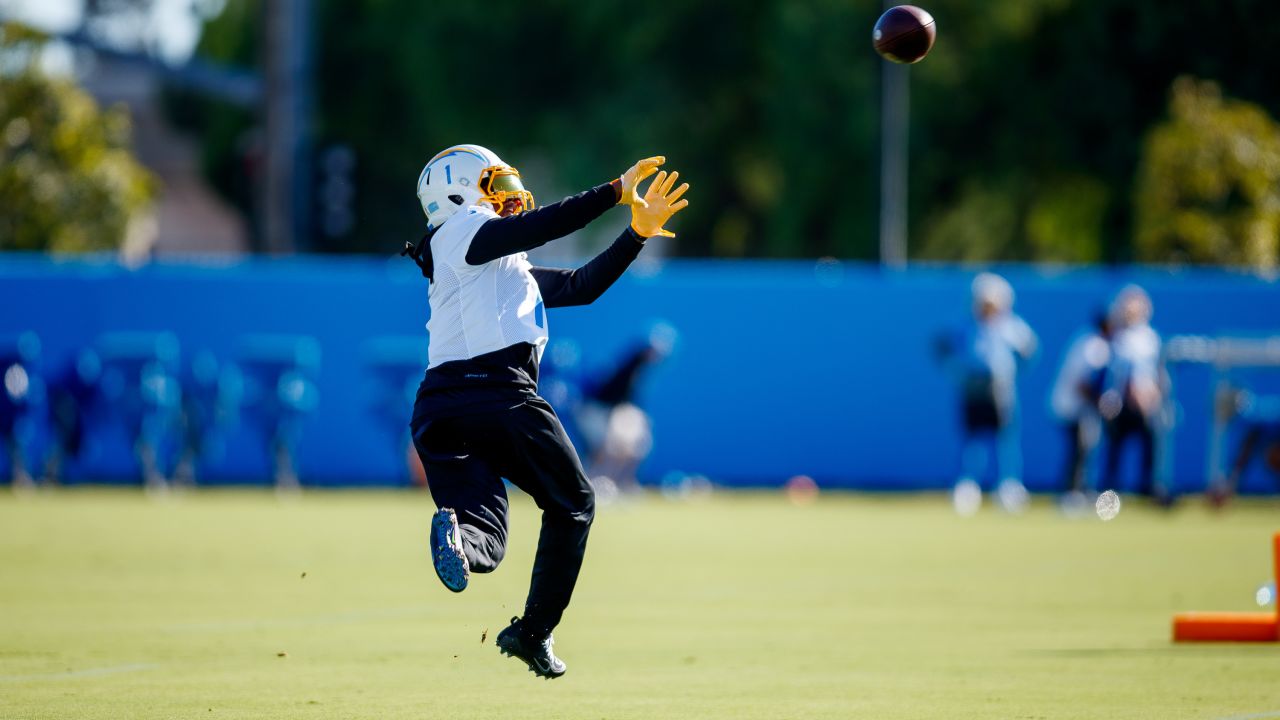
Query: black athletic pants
[
  {"x": 465, "y": 460},
  {"x": 1080, "y": 443},
  {"x": 1130, "y": 423}
]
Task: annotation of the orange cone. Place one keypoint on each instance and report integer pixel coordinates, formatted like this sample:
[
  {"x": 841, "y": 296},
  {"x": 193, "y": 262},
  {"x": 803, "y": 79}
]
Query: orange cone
[
  {"x": 1231, "y": 626},
  {"x": 1225, "y": 627}
]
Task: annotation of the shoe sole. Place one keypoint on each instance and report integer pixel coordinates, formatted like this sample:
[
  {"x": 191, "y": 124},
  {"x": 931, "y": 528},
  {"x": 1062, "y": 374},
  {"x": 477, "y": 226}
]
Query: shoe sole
[{"x": 449, "y": 562}]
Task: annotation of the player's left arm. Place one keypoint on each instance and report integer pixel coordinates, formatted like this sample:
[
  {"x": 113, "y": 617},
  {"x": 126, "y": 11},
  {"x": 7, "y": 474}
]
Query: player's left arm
[
  {"x": 561, "y": 288},
  {"x": 565, "y": 288}
]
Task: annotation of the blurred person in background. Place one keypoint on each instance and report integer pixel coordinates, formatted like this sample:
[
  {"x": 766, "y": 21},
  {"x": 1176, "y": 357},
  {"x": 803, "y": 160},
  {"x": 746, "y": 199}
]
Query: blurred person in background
[
  {"x": 276, "y": 382},
  {"x": 22, "y": 395},
  {"x": 71, "y": 394},
  {"x": 295, "y": 397},
  {"x": 140, "y": 392},
  {"x": 1074, "y": 402},
  {"x": 1134, "y": 392},
  {"x": 1259, "y": 418},
  {"x": 619, "y": 433},
  {"x": 985, "y": 366},
  {"x": 560, "y": 384},
  {"x": 210, "y": 401},
  {"x": 478, "y": 417}
]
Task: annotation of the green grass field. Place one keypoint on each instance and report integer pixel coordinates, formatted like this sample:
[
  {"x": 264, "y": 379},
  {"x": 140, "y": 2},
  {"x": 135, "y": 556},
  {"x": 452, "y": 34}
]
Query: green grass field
[{"x": 741, "y": 606}]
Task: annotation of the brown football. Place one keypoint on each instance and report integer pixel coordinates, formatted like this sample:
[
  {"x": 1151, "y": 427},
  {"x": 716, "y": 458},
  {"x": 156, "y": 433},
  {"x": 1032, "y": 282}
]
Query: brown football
[{"x": 904, "y": 34}]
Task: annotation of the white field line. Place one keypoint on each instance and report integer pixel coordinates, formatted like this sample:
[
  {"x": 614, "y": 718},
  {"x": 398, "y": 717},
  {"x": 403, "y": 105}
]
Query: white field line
[
  {"x": 343, "y": 618},
  {"x": 73, "y": 674},
  {"x": 1259, "y": 716}
]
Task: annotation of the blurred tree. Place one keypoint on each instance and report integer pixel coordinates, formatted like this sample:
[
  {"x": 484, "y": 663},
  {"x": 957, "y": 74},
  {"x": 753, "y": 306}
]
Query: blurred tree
[
  {"x": 573, "y": 93},
  {"x": 1045, "y": 103},
  {"x": 1027, "y": 118},
  {"x": 68, "y": 181},
  {"x": 230, "y": 152},
  {"x": 1209, "y": 183}
]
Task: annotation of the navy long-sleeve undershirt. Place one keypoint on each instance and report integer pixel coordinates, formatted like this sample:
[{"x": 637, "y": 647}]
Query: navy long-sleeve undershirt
[
  {"x": 566, "y": 288},
  {"x": 534, "y": 228}
]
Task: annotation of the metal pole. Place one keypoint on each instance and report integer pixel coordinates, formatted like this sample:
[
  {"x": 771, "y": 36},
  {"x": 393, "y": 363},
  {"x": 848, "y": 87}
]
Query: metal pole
[
  {"x": 287, "y": 108},
  {"x": 304, "y": 172},
  {"x": 894, "y": 117}
]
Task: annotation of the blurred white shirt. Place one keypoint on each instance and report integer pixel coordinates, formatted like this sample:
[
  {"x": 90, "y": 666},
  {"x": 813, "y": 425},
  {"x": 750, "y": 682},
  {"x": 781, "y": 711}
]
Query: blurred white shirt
[
  {"x": 1135, "y": 352},
  {"x": 995, "y": 347},
  {"x": 1085, "y": 361}
]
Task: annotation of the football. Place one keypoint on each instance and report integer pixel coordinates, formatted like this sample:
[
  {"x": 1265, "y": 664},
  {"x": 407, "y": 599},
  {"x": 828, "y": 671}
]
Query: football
[{"x": 904, "y": 34}]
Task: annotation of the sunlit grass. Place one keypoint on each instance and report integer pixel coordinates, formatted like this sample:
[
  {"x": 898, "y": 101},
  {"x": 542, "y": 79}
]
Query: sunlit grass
[{"x": 741, "y": 606}]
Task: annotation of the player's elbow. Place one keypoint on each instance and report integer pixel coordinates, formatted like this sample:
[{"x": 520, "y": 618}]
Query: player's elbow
[
  {"x": 590, "y": 297},
  {"x": 581, "y": 294}
]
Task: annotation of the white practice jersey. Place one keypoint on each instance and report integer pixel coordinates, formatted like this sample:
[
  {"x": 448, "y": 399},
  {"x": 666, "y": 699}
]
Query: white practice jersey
[
  {"x": 1135, "y": 357},
  {"x": 1086, "y": 360},
  {"x": 477, "y": 309}
]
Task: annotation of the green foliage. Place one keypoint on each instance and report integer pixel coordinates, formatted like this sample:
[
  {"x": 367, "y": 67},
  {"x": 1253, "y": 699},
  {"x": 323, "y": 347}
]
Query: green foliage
[
  {"x": 573, "y": 93},
  {"x": 227, "y": 132},
  {"x": 1209, "y": 184},
  {"x": 68, "y": 181},
  {"x": 1065, "y": 220},
  {"x": 1045, "y": 105},
  {"x": 979, "y": 225},
  {"x": 1027, "y": 119}
]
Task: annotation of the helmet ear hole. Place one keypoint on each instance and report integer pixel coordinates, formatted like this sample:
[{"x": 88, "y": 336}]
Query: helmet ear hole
[{"x": 456, "y": 199}]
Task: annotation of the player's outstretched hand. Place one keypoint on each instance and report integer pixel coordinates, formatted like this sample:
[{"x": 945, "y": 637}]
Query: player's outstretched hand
[
  {"x": 660, "y": 203},
  {"x": 632, "y": 177}
]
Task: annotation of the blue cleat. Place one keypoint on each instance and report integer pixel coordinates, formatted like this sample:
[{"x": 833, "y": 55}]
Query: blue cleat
[{"x": 446, "y": 551}]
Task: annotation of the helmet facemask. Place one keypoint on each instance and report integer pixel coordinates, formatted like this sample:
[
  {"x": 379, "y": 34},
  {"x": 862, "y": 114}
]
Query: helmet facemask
[{"x": 500, "y": 184}]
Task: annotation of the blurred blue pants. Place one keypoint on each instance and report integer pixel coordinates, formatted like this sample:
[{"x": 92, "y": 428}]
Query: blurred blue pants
[{"x": 1001, "y": 439}]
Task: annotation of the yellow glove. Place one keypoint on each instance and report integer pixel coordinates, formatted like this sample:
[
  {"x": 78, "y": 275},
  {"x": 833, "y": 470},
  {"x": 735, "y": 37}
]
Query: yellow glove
[
  {"x": 632, "y": 177},
  {"x": 660, "y": 203}
]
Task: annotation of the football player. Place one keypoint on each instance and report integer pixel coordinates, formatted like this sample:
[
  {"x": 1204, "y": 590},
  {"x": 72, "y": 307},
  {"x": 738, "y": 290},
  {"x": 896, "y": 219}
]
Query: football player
[
  {"x": 478, "y": 417},
  {"x": 987, "y": 368},
  {"x": 1133, "y": 401}
]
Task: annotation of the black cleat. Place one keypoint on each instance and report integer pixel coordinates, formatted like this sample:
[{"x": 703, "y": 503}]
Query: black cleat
[
  {"x": 446, "y": 551},
  {"x": 536, "y": 653}
]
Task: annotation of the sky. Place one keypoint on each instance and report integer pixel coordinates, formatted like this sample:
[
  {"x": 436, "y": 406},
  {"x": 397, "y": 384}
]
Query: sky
[{"x": 172, "y": 27}]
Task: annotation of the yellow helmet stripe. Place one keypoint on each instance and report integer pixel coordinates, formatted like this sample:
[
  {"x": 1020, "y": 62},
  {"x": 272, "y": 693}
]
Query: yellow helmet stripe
[{"x": 457, "y": 149}]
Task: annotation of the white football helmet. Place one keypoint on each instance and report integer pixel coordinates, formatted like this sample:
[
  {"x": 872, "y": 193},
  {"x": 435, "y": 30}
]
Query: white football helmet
[{"x": 466, "y": 175}]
